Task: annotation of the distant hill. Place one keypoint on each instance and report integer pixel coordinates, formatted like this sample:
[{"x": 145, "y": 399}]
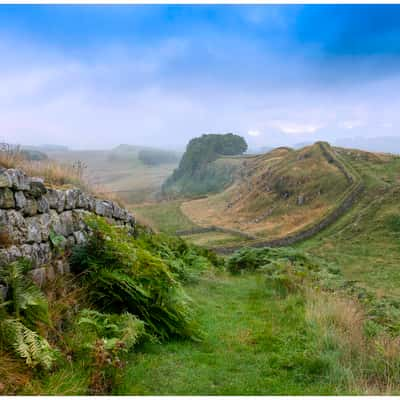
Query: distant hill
[
  {"x": 385, "y": 144},
  {"x": 46, "y": 147},
  {"x": 274, "y": 194}
]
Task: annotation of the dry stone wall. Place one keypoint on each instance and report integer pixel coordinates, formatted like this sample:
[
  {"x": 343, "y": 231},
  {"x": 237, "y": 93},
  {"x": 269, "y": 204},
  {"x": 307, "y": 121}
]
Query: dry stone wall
[{"x": 31, "y": 214}]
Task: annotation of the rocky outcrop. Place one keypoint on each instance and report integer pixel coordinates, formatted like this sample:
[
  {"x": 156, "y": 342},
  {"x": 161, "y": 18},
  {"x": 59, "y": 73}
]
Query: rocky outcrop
[{"x": 31, "y": 214}]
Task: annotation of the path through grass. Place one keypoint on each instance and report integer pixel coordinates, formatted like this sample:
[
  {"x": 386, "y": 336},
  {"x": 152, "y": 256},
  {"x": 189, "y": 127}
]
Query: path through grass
[{"x": 255, "y": 343}]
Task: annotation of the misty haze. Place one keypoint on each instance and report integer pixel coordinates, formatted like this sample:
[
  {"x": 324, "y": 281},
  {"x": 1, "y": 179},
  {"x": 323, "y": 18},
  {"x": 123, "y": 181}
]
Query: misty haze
[{"x": 199, "y": 199}]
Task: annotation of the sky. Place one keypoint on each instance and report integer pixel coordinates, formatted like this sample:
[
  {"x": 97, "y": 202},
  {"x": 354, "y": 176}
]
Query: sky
[{"x": 158, "y": 75}]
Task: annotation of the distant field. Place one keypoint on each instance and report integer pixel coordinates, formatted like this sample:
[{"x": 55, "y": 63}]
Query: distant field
[
  {"x": 163, "y": 216},
  {"x": 120, "y": 172}
]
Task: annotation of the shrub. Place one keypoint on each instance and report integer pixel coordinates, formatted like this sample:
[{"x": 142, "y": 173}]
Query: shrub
[
  {"x": 123, "y": 276},
  {"x": 186, "y": 261},
  {"x": 21, "y": 313},
  {"x": 102, "y": 341}
]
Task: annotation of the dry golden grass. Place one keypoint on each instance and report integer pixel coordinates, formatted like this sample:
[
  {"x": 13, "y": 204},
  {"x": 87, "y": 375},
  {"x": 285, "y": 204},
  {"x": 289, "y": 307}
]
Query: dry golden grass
[
  {"x": 14, "y": 374},
  {"x": 257, "y": 204},
  {"x": 55, "y": 174},
  {"x": 374, "y": 361}
]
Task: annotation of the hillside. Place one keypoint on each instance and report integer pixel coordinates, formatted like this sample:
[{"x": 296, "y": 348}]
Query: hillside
[
  {"x": 365, "y": 241},
  {"x": 276, "y": 194}
]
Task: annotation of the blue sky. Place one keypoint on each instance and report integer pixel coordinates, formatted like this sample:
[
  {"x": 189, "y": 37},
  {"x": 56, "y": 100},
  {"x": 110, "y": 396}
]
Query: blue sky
[{"x": 97, "y": 76}]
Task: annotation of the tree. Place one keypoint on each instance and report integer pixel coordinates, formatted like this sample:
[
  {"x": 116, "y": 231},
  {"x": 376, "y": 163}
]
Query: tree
[{"x": 202, "y": 151}]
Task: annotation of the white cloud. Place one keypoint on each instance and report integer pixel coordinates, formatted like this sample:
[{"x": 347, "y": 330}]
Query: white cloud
[
  {"x": 351, "y": 124},
  {"x": 295, "y": 128},
  {"x": 254, "y": 133}
]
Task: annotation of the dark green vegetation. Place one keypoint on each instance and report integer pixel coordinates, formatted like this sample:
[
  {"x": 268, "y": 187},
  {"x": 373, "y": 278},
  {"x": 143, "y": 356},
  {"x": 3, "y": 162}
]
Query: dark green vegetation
[
  {"x": 123, "y": 290},
  {"x": 271, "y": 330},
  {"x": 280, "y": 322},
  {"x": 197, "y": 172}
]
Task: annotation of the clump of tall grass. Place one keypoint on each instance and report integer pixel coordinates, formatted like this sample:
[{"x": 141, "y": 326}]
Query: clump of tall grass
[{"x": 369, "y": 355}]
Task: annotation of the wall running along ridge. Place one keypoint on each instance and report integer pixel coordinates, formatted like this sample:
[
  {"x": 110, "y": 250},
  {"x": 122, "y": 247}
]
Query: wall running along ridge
[
  {"x": 31, "y": 213},
  {"x": 355, "y": 189}
]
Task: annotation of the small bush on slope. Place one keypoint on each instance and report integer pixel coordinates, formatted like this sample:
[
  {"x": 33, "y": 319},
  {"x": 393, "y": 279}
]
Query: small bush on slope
[
  {"x": 186, "y": 261},
  {"x": 121, "y": 275}
]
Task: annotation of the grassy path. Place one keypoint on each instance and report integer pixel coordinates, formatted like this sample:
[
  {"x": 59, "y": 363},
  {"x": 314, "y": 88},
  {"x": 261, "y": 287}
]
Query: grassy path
[{"x": 255, "y": 343}]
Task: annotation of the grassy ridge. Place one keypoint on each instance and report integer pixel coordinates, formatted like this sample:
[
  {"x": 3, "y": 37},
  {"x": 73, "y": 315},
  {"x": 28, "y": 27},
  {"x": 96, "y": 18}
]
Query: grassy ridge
[{"x": 365, "y": 241}]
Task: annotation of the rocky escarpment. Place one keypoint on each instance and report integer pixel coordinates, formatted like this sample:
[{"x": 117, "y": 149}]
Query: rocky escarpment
[{"x": 39, "y": 223}]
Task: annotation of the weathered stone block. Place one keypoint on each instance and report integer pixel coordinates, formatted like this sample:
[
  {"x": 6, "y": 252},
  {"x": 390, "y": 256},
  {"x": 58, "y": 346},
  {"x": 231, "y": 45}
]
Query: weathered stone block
[
  {"x": 43, "y": 205},
  {"x": 60, "y": 201},
  {"x": 9, "y": 255},
  {"x": 79, "y": 237},
  {"x": 20, "y": 200},
  {"x": 91, "y": 203},
  {"x": 15, "y": 226},
  {"x": 82, "y": 201},
  {"x": 31, "y": 207},
  {"x": 99, "y": 208},
  {"x": 7, "y": 198},
  {"x": 5, "y": 180},
  {"x": 34, "y": 233},
  {"x": 36, "y": 187},
  {"x": 79, "y": 219},
  {"x": 19, "y": 180},
  {"x": 52, "y": 198},
  {"x": 71, "y": 198},
  {"x": 67, "y": 223}
]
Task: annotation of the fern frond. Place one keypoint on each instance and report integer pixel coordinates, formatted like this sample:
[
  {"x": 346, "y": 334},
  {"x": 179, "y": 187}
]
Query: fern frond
[{"x": 27, "y": 344}]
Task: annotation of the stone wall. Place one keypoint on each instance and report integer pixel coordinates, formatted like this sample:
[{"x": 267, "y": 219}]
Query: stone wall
[
  {"x": 31, "y": 214},
  {"x": 355, "y": 189},
  {"x": 214, "y": 228}
]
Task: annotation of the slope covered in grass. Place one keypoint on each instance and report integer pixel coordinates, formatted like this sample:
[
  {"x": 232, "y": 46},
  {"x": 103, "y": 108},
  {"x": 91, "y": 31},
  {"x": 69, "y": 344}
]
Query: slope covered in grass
[
  {"x": 260, "y": 343},
  {"x": 277, "y": 193},
  {"x": 365, "y": 242}
]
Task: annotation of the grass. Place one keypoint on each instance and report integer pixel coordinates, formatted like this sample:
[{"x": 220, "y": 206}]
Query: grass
[
  {"x": 258, "y": 343},
  {"x": 265, "y": 200},
  {"x": 213, "y": 238},
  {"x": 255, "y": 345},
  {"x": 364, "y": 243},
  {"x": 163, "y": 216}
]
